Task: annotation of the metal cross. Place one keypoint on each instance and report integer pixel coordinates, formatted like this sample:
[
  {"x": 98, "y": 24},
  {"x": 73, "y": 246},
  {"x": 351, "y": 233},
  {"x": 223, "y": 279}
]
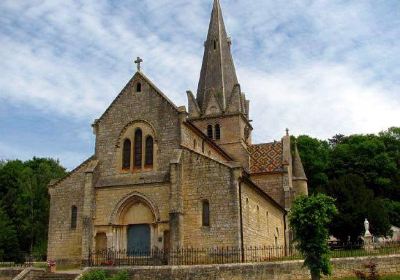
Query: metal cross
[{"x": 138, "y": 61}]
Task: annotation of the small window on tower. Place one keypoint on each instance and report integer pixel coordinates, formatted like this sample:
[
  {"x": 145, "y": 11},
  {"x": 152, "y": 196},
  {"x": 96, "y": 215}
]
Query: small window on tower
[
  {"x": 210, "y": 131},
  {"x": 139, "y": 87},
  {"x": 217, "y": 132},
  {"x": 215, "y": 44}
]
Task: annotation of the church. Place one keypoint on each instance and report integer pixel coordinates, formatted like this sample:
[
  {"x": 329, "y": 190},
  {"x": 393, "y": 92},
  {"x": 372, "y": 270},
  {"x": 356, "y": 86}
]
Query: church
[{"x": 170, "y": 177}]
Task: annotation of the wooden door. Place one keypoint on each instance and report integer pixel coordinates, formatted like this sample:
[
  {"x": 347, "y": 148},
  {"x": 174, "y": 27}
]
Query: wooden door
[{"x": 139, "y": 240}]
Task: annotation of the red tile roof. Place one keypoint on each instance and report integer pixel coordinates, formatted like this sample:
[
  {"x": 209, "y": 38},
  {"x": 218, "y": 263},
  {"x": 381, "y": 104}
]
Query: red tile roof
[{"x": 266, "y": 157}]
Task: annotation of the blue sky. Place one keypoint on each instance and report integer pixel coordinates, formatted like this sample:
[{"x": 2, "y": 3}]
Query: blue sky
[{"x": 317, "y": 67}]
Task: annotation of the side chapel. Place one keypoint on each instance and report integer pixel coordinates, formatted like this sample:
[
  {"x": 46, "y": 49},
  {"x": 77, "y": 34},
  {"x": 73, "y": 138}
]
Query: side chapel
[{"x": 166, "y": 177}]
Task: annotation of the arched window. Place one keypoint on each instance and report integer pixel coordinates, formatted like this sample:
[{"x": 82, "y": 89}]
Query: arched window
[
  {"x": 210, "y": 131},
  {"x": 206, "y": 214},
  {"x": 217, "y": 132},
  {"x": 138, "y": 148},
  {"x": 215, "y": 44},
  {"x": 74, "y": 216},
  {"x": 126, "y": 155},
  {"x": 202, "y": 146},
  {"x": 138, "y": 87},
  {"x": 149, "y": 151}
]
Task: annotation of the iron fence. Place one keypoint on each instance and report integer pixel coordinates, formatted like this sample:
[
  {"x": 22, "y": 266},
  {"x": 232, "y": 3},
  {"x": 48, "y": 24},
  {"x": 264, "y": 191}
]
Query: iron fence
[
  {"x": 226, "y": 255},
  {"x": 345, "y": 250}
]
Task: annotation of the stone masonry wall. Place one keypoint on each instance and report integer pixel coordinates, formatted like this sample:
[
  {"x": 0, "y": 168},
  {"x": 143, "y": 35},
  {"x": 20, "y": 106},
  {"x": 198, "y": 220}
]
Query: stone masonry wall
[
  {"x": 232, "y": 135},
  {"x": 289, "y": 270},
  {"x": 65, "y": 243},
  {"x": 262, "y": 220},
  {"x": 147, "y": 105},
  {"x": 206, "y": 179},
  {"x": 272, "y": 184},
  {"x": 192, "y": 141}
]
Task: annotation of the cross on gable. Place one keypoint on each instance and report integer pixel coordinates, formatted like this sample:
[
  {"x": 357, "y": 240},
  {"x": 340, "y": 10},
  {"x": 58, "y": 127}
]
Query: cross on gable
[{"x": 138, "y": 61}]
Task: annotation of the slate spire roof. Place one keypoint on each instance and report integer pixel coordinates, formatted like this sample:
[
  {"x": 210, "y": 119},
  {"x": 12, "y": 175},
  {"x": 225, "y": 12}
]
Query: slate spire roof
[
  {"x": 298, "y": 169},
  {"x": 218, "y": 74}
]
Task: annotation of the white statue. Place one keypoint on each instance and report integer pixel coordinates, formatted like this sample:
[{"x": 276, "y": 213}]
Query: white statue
[{"x": 366, "y": 226}]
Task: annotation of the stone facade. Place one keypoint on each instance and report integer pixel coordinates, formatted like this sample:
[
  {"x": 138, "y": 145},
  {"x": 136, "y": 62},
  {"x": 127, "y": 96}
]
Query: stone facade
[
  {"x": 163, "y": 177},
  {"x": 263, "y": 221}
]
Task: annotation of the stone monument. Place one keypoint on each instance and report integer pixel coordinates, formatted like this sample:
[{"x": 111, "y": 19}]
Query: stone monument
[{"x": 368, "y": 242}]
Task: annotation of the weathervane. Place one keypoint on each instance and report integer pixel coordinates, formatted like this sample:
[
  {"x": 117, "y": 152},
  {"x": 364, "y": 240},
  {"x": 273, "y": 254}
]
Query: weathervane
[{"x": 137, "y": 62}]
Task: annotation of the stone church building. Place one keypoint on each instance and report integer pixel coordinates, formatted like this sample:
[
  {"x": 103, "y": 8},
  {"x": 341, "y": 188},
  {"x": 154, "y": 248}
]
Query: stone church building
[{"x": 166, "y": 177}]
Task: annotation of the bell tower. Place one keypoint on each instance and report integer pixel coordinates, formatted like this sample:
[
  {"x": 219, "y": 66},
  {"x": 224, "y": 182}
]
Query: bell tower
[{"x": 220, "y": 109}]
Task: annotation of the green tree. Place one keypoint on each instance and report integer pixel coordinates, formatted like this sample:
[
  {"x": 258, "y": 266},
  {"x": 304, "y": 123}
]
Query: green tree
[
  {"x": 23, "y": 186},
  {"x": 309, "y": 218},
  {"x": 9, "y": 173},
  {"x": 360, "y": 171},
  {"x": 356, "y": 202},
  {"x": 315, "y": 157},
  {"x": 393, "y": 209},
  {"x": 9, "y": 247},
  {"x": 368, "y": 157}
]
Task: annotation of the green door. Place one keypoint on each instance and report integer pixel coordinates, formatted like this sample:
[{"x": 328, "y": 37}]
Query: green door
[{"x": 138, "y": 240}]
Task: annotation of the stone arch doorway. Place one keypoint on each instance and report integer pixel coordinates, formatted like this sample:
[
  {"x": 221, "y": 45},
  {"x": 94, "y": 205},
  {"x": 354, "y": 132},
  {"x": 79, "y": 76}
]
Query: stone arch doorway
[
  {"x": 139, "y": 219},
  {"x": 135, "y": 224}
]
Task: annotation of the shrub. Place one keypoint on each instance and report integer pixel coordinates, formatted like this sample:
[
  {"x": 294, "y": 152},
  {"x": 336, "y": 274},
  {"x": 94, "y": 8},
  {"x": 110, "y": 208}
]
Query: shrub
[
  {"x": 373, "y": 272},
  {"x": 122, "y": 275},
  {"x": 95, "y": 275},
  {"x": 102, "y": 275}
]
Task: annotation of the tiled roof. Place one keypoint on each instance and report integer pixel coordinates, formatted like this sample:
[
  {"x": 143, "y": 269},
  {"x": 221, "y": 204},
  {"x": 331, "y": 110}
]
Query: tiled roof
[{"x": 266, "y": 157}]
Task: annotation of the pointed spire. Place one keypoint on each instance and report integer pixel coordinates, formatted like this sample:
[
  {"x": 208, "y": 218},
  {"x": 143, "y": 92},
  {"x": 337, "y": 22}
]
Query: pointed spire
[
  {"x": 218, "y": 74},
  {"x": 298, "y": 169}
]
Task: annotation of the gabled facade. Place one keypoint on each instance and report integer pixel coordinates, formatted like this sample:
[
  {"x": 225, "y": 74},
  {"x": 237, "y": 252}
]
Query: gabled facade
[{"x": 165, "y": 178}]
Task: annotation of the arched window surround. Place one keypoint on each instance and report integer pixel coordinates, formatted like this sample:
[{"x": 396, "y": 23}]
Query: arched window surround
[
  {"x": 129, "y": 132},
  {"x": 138, "y": 87}
]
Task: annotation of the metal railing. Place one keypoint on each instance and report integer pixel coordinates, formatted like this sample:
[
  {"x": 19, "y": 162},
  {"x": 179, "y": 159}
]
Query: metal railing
[
  {"x": 226, "y": 255},
  {"x": 345, "y": 250}
]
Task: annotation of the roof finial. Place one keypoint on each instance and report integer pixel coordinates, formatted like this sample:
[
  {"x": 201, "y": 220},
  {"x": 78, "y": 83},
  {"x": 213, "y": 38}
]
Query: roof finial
[
  {"x": 137, "y": 62},
  {"x": 287, "y": 131}
]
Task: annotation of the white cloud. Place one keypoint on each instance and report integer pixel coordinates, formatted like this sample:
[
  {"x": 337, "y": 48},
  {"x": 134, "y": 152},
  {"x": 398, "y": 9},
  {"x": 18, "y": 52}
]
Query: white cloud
[{"x": 324, "y": 99}]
